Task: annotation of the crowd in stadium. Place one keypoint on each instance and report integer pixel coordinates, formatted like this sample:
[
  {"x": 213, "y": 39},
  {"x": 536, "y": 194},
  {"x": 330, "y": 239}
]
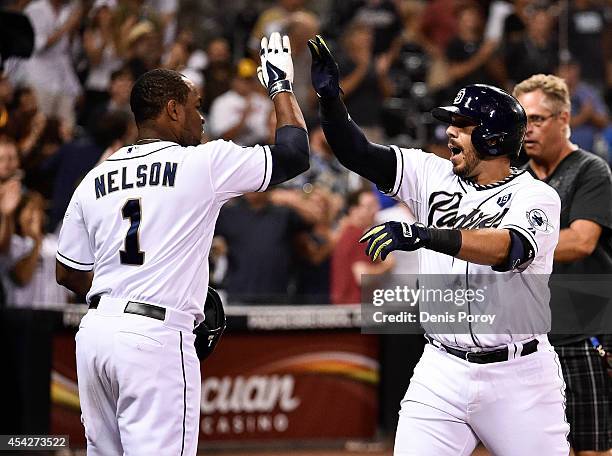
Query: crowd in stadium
[{"x": 67, "y": 108}]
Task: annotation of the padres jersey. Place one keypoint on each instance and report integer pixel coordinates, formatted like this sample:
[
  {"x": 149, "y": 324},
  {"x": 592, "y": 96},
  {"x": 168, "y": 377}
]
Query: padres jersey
[
  {"x": 144, "y": 219},
  {"x": 440, "y": 199}
]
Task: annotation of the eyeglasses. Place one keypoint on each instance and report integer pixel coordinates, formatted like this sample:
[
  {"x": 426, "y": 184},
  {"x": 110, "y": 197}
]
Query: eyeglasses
[{"x": 537, "y": 120}]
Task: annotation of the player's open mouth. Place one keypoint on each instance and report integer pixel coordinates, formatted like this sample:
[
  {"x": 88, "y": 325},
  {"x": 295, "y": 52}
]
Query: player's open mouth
[{"x": 454, "y": 149}]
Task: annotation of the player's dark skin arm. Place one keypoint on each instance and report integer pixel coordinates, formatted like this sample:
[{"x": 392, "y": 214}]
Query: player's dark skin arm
[
  {"x": 290, "y": 152},
  {"x": 78, "y": 282},
  {"x": 488, "y": 246}
]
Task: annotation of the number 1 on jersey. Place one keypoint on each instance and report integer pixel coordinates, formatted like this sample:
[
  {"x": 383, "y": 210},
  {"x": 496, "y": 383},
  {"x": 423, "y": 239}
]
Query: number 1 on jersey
[{"x": 132, "y": 253}]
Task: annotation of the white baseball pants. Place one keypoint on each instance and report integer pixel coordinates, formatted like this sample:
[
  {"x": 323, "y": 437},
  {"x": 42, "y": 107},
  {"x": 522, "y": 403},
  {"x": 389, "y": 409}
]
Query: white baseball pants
[
  {"x": 515, "y": 407},
  {"x": 139, "y": 382}
]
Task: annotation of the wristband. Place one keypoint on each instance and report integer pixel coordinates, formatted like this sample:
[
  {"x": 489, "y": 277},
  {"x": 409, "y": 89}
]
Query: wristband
[
  {"x": 284, "y": 85},
  {"x": 444, "y": 241}
]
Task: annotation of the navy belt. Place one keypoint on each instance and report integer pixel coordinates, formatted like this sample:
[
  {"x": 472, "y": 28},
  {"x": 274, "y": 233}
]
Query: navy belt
[
  {"x": 485, "y": 357},
  {"x": 135, "y": 307}
]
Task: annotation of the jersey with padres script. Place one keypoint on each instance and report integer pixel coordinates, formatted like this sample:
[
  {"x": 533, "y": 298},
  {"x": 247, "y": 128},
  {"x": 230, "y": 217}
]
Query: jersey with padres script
[
  {"x": 143, "y": 220},
  {"x": 440, "y": 199}
]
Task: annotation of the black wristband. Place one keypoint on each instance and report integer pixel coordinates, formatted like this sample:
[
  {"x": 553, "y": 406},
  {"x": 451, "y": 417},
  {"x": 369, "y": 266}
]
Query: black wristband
[
  {"x": 444, "y": 241},
  {"x": 282, "y": 85}
]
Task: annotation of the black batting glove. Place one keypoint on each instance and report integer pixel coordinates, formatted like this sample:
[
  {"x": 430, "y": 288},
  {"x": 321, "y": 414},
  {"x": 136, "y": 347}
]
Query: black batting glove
[
  {"x": 390, "y": 236},
  {"x": 324, "y": 70}
]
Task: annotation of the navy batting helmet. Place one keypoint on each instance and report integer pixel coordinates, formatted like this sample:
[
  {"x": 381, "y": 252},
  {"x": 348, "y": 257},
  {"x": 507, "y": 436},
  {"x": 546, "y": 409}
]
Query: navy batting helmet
[
  {"x": 210, "y": 330},
  {"x": 499, "y": 118}
]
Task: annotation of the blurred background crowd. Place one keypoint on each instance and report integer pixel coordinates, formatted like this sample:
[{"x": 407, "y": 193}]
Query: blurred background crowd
[{"x": 66, "y": 108}]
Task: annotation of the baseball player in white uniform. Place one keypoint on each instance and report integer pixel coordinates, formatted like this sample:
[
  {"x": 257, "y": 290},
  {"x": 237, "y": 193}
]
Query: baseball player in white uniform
[
  {"x": 481, "y": 219},
  {"x": 136, "y": 238}
]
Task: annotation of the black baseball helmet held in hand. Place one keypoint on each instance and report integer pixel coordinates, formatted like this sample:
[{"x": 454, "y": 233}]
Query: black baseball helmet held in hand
[
  {"x": 499, "y": 118},
  {"x": 210, "y": 330}
]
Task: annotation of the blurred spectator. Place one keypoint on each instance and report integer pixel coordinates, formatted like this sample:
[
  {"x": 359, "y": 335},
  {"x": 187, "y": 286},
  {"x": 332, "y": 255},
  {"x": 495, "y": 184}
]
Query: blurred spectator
[
  {"x": 589, "y": 113},
  {"x": 419, "y": 68},
  {"x": 186, "y": 59},
  {"x": 119, "y": 101},
  {"x": 325, "y": 170},
  {"x": 383, "y": 18},
  {"x": 301, "y": 27},
  {"x": 536, "y": 52},
  {"x": 31, "y": 280},
  {"x": 219, "y": 71},
  {"x": 439, "y": 24},
  {"x": 364, "y": 79},
  {"x": 587, "y": 39},
  {"x": 10, "y": 192},
  {"x": 6, "y": 95},
  {"x": 10, "y": 195},
  {"x": 48, "y": 144},
  {"x": 315, "y": 248},
  {"x": 259, "y": 237},
  {"x": 50, "y": 71},
  {"x": 102, "y": 54},
  {"x": 470, "y": 58},
  {"x": 349, "y": 260},
  {"x": 130, "y": 16},
  {"x": 273, "y": 19},
  {"x": 75, "y": 159},
  {"x": 26, "y": 123},
  {"x": 411, "y": 14},
  {"x": 178, "y": 54},
  {"x": 167, "y": 11},
  {"x": 143, "y": 48},
  {"x": 507, "y": 20},
  {"x": 241, "y": 114}
]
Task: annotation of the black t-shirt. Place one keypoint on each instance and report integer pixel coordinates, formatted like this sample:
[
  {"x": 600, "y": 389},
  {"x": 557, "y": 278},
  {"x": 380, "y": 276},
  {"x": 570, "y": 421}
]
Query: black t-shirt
[
  {"x": 586, "y": 42},
  {"x": 524, "y": 59},
  {"x": 259, "y": 250},
  {"x": 584, "y": 184}
]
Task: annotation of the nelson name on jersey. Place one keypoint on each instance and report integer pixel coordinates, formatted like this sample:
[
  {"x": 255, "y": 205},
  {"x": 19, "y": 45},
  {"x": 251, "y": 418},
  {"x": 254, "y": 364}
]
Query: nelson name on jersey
[{"x": 127, "y": 177}]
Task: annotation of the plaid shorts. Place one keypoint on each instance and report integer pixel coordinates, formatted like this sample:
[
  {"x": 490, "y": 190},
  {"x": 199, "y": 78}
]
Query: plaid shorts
[{"x": 589, "y": 396}]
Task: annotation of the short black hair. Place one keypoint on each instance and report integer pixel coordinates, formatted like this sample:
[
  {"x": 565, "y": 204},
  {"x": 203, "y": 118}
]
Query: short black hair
[{"x": 153, "y": 90}]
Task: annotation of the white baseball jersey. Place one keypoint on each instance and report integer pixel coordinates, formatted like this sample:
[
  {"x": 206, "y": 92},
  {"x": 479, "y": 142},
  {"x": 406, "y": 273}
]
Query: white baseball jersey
[
  {"x": 438, "y": 198},
  {"x": 144, "y": 219}
]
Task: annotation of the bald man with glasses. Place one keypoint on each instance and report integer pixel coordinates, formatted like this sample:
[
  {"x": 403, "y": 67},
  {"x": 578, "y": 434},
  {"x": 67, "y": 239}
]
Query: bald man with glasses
[{"x": 584, "y": 184}]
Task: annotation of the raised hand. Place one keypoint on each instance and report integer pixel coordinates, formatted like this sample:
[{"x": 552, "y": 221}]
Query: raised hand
[
  {"x": 276, "y": 70},
  {"x": 324, "y": 69}
]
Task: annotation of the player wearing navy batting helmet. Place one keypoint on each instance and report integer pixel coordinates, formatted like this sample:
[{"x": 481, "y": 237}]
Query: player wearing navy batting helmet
[{"x": 487, "y": 223}]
